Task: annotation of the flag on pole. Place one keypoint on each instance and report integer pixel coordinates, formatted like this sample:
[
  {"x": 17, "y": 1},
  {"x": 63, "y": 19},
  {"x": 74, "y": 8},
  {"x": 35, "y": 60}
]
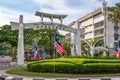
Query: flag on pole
[
  {"x": 36, "y": 57},
  {"x": 118, "y": 48},
  {"x": 58, "y": 45}
]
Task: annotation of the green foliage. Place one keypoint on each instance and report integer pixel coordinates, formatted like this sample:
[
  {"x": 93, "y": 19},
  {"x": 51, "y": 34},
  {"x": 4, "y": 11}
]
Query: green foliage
[
  {"x": 8, "y": 36},
  {"x": 115, "y": 13},
  {"x": 94, "y": 57},
  {"x": 75, "y": 65},
  {"x": 102, "y": 68},
  {"x": 4, "y": 49},
  {"x": 44, "y": 37},
  {"x": 67, "y": 48}
]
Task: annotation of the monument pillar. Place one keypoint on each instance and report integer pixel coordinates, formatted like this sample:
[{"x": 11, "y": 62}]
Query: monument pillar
[
  {"x": 51, "y": 19},
  {"x": 20, "y": 54},
  {"x": 78, "y": 39},
  {"x": 73, "y": 49},
  {"x": 41, "y": 18},
  {"x": 60, "y": 20},
  {"x": 76, "y": 43}
]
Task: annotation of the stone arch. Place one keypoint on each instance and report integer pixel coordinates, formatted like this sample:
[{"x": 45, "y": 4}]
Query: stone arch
[{"x": 59, "y": 26}]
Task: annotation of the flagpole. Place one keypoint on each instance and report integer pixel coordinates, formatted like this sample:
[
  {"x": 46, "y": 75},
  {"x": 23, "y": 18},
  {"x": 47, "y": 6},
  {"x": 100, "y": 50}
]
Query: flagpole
[
  {"x": 54, "y": 61},
  {"x": 54, "y": 56}
]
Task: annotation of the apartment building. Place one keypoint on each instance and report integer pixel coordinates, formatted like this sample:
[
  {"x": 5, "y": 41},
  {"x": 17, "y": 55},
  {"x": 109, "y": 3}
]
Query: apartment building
[{"x": 96, "y": 25}]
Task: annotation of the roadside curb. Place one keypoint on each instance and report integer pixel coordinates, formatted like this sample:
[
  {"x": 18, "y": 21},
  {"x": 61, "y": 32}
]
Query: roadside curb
[{"x": 5, "y": 77}]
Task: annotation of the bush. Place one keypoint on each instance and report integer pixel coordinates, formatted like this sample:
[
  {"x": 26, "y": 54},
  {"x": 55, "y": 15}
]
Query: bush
[
  {"x": 75, "y": 65},
  {"x": 94, "y": 57},
  {"x": 101, "y": 68}
]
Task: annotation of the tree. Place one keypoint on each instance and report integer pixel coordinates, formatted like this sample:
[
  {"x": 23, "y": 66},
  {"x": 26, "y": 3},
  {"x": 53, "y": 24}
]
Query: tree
[
  {"x": 115, "y": 13},
  {"x": 67, "y": 48},
  {"x": 45, "y": 37},
  {"x": 8, "y": 36},
  {"x": 114, "y": 16},
  {"x": 90, "y": 42}
]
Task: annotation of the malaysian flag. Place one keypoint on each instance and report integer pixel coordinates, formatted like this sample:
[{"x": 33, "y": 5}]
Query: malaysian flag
[
  {"x": 36, "y": 57},
  {"x": 58, "y": 45}
]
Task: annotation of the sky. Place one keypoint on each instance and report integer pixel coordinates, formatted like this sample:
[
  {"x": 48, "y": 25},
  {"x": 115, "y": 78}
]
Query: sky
[{"x": 74, "y": 9}]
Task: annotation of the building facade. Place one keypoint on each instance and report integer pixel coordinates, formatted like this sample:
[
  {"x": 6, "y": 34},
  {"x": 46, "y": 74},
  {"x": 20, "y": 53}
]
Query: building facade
[{"x": 97, "y": 25}]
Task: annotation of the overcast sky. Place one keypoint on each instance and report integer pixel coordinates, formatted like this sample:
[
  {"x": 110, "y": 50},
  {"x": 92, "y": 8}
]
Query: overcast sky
[{"x": 11, "y": 9}]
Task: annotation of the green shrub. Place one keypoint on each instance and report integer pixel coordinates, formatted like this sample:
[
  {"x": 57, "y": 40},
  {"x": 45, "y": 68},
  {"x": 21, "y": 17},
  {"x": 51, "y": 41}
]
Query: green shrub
[
  {"x": 75, "y": 65},
  {"x": 101, "y": 68},
  {"x": 94, "y": 57}
]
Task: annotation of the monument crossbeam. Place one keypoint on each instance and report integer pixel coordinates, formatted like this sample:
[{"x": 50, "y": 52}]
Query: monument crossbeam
[
  {"x": 39, "y": 25},
  {"x": 49, "y": 15}
]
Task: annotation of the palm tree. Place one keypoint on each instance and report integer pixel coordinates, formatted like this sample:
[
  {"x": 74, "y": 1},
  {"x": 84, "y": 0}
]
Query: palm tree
[
  {"x": 86, "y": 44},
  {"x": 114, "y": 16}
]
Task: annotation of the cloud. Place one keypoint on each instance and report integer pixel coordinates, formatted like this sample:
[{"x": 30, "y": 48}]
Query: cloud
[
  {"x": 75, "y": 9},
  {"x": 8, "y": 14},
  {"x": 112, "y": 2}
]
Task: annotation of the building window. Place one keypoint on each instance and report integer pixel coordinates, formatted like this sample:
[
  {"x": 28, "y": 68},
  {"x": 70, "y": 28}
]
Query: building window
[
  {"x": 45, "y": 26},
  {"x": 98, "y": 15},
  {"x": 115, "y": 44},
  {"x": 116, "y": 36},
  {"x": 99, "y": 32},
  {"x": 99, "y": 24},
  {"x": 82, "y": 36},
  {"x": 88, "y": 26}
]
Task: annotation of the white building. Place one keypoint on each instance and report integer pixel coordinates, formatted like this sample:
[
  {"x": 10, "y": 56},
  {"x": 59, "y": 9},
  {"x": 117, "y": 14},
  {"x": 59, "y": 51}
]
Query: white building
[{"x": 95, "y": 24}]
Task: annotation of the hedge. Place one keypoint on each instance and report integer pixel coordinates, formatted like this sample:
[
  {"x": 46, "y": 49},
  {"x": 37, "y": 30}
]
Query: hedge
[{"x": 75, "y": 65}]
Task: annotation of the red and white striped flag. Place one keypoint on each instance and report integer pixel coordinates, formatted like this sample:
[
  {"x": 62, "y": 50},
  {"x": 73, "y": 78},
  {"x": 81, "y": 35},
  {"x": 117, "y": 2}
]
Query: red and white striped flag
[{"x": 58, "y": 45}]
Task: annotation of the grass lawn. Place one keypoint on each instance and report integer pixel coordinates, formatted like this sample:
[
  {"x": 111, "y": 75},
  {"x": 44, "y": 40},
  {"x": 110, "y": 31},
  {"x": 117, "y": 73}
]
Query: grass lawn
[{"x": 24, "y": 72}]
